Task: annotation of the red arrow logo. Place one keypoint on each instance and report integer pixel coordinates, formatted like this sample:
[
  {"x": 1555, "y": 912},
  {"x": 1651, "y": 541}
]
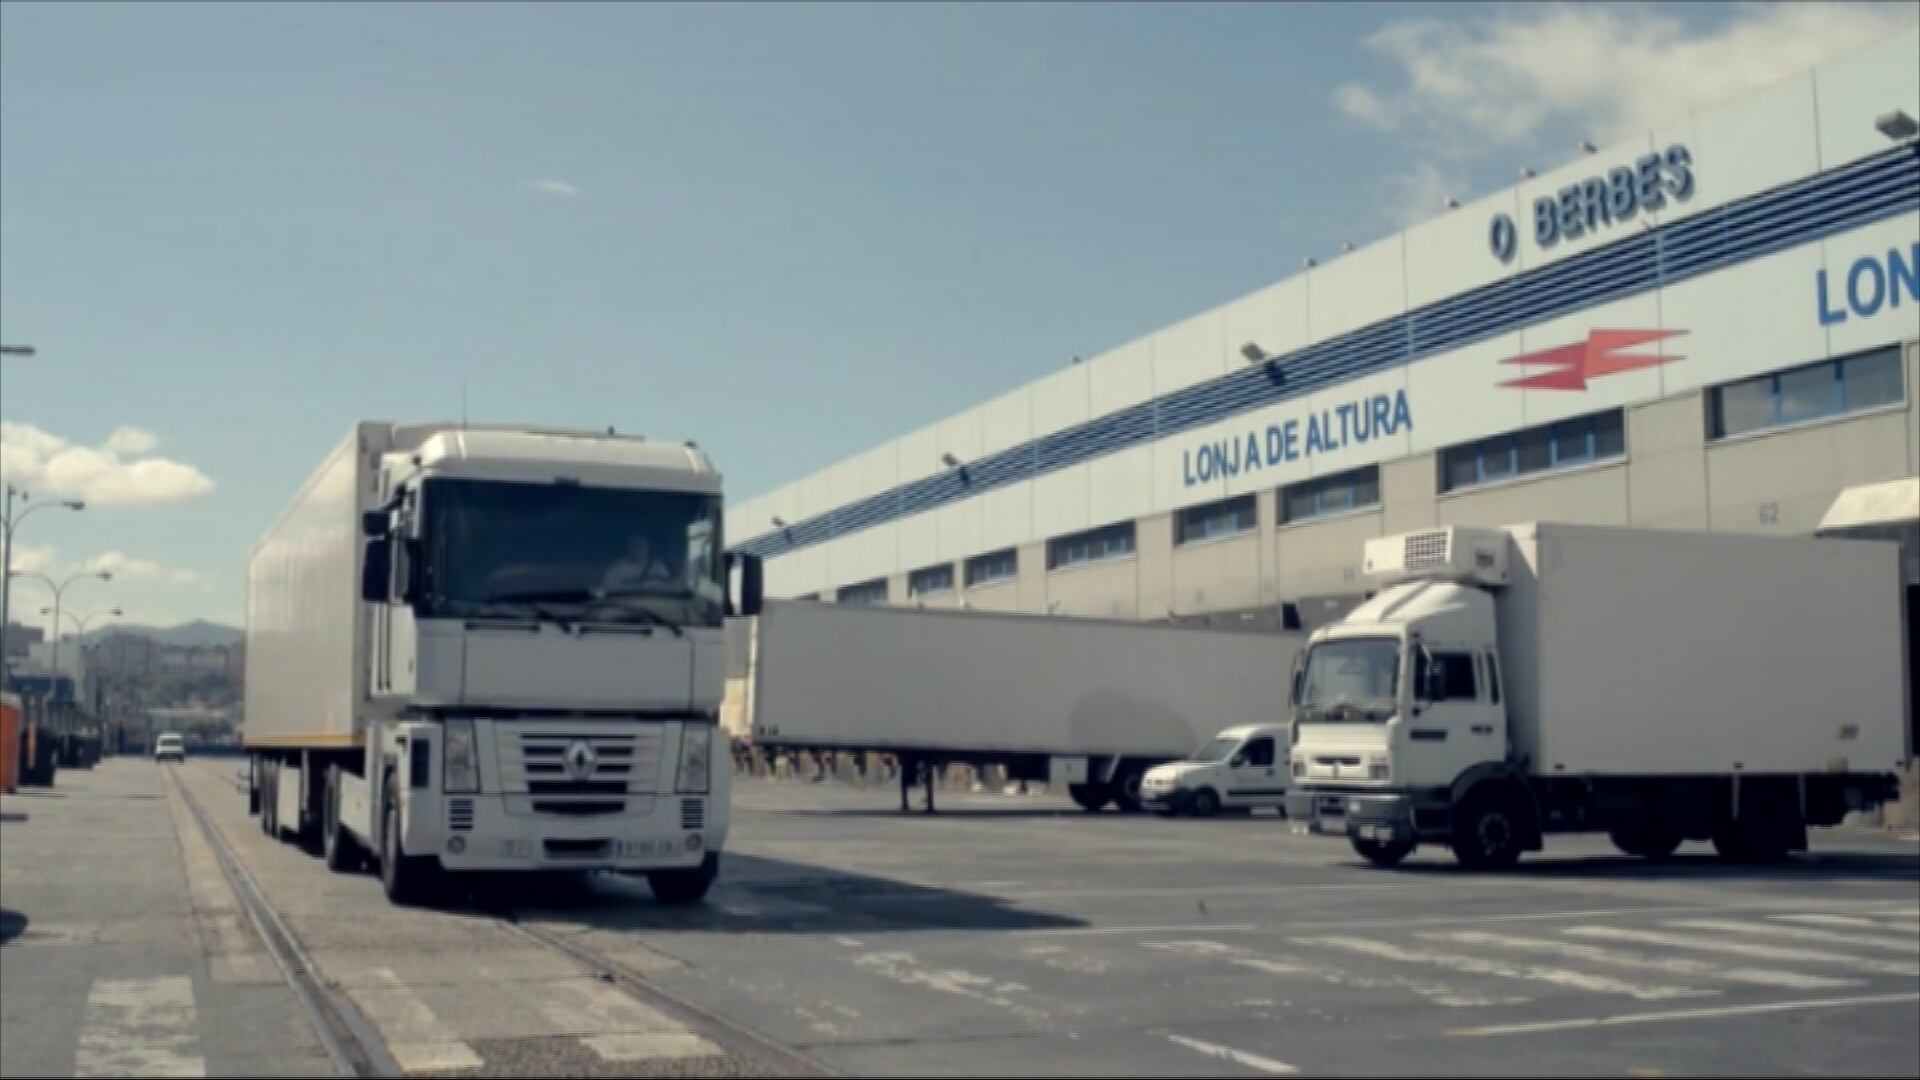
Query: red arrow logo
[{"x": 1572, "y": 365}]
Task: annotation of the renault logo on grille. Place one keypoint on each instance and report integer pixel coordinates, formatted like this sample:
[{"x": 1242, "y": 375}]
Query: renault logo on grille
[{"x": 580, "y": 759}]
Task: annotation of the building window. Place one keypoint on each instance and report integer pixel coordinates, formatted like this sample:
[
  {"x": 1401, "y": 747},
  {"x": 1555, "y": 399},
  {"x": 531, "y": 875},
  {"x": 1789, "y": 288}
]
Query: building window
[
  {"x": 993, "y": 567},
  {"x": 933, "y": 579},
  {"x": 1094, "y": 545},
  {"x": 867, "y": 592},
  {"x": 1334, "y": 494},
  {"x": 1228, "y": 517},
  {"x": 1559, "y": 445},
  {"x": 1809, "y": 392}
]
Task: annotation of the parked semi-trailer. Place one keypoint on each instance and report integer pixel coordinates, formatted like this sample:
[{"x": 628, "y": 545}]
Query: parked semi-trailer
[
  {"x": 1658, "y": 686},
  {"x": 495, "y": 649},
  {"x": 1091, "y": 703}
]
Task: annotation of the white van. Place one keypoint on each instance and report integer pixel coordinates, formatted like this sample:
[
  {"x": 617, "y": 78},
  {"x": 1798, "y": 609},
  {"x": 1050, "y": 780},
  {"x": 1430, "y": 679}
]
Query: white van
[
  {"x": 1241, "y": 768},
  {"x": 170, "y": 747}
]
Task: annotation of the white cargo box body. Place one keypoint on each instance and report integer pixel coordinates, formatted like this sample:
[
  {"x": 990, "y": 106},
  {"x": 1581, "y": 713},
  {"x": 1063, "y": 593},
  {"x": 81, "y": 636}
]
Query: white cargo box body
[
  {"x": 829, "y": 675},
  {"x": 306, "y": 675},
  {"x": 1632, "y": 651}
]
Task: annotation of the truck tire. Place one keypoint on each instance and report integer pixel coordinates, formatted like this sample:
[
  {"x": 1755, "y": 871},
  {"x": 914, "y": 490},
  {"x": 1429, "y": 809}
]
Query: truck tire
[
  {"x": 406, "y": 879},
  {"x": 1126, "y": 789},
  {"x": 1092, "y": 798},
  {"x": 681, "y": 887},
  {"x": 341, "y": 850},
  {"x": 1488, "y": 831},
  {"x": 1646, "y": 841},
  {"x": 1205, "y": 803},
  {"x": 1385, "y": 854}
]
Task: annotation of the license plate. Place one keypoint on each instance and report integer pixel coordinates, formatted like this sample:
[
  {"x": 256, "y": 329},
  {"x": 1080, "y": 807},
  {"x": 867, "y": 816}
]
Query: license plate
[{"x": 1333, "y": 807}]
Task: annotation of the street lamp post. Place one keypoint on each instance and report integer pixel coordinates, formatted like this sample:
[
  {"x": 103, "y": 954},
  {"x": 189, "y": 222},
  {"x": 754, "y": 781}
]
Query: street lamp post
[
  {"x": 59, "y": 590},
  {"x": 8, "y": 523}
]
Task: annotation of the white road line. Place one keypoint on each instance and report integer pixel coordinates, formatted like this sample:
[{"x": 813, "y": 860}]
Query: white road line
[
  {"x": 1744, "y": 948},
  {"x": 1672, "y": 965},
  {"x": 650, "y": 1045},
  {"x": 1474, "y": 965},
  {"x": 1436, "y": 992},
  {"x": 1849, "y": 921},
  {"x": 140, "y": 1027},
  {"x": 1685, "y": 1014},
  {"x": 416, "y": 1038},
  {"x": 1908, "y": 947},
  {"x": 1238, "y": 1057},
  {"x": 590, "y": 1007}
]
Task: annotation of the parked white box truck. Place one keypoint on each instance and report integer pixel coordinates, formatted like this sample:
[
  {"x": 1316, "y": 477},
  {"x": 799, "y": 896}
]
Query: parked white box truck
[
  {"x": 495, "y": 648},
  {"x": 1658, "y": 686},
  {"x": 1092, "y": 703}
]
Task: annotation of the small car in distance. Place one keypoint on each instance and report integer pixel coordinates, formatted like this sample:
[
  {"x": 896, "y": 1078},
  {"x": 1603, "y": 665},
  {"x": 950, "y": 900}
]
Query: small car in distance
[{"x": 170, "y": 747}]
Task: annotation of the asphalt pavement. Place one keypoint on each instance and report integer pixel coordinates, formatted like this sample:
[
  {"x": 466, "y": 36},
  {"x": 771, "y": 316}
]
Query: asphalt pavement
[{"x": 1019, "y": 936}]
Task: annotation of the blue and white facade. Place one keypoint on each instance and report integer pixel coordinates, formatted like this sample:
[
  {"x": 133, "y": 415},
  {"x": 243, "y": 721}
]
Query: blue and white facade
[{"x": 1713, "y": 325}]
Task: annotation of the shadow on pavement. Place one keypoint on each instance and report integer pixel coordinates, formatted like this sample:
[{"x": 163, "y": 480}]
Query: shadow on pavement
[
  {"x": 1814, "y": 866},
  {"x": 769, "y": 896},
  {"x": 8, "y": 818},
  {"x": 12, "y": 925}
]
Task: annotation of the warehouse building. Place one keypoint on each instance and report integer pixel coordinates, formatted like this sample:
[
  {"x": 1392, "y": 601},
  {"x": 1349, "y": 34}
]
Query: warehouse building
[{"x": 1714, "y": 325}]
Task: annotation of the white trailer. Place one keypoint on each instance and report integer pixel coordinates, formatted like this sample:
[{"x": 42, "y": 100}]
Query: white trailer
[
  {"x": 495, "y": 648},
  {"x": 1092, "y": 703},
  {"x": 1659, "y": 686}
]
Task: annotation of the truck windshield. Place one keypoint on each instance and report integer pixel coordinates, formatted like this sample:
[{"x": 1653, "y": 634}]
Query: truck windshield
[
  {"x": 1215, "y": 751},
  {"x": 564, "y": 551},
  {"x": 1355, "y": 679}
]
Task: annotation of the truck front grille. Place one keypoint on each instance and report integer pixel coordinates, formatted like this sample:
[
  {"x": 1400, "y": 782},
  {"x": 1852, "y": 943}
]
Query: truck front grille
[{"x": 580, "y": 759}]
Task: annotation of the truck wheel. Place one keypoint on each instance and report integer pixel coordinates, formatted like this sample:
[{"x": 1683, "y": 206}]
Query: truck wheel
[
  {"x": 1646, "y": 841},
  {"x": 1385, "y": 854},
  {"x": 678, "y": 887},
  {"x": 1204, "y": 803},
  {"x": 1092, "y": 798},
  {"x": 1487, "y": 831},
  {"x": 1126, "y": 791},
  {"x": 406, "y": 879},
  {"x": 342, "y": 851}
]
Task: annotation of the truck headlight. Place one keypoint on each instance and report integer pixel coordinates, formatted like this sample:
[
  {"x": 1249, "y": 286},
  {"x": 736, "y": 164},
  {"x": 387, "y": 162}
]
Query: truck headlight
[
  {"x": 460, "y": 764},
  {"x": 696, "y": 748}
]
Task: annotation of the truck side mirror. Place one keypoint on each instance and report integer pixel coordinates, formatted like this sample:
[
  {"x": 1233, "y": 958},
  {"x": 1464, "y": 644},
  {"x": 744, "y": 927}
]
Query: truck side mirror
[
  {"x": 376, "y": 570},
  {"x": 414, "y": 582},
  {"x": 752, "y": 589},
  {"x": 1293, "y": 696},
  {"x": 374, "y": 524}
]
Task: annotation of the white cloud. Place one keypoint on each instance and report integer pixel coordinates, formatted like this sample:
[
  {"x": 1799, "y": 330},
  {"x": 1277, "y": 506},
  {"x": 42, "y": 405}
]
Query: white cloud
[
  {"x": 1466, "y": 87},
  {"x": 128, "y": 568},
  {"x": 116, "y": 474},
  {"x": 131, "y": 441},
  {"x": 32, "y": 558},
  {"x": 557, "y": 187}
]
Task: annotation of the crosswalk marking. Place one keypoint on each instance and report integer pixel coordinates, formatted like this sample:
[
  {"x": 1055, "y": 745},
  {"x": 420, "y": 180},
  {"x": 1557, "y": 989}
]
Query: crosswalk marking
[
  {"x": 1437, "y": 992},
  {"x": 415, "y": 1037},
  {"x": 140, "y": 1027},
  {"x": 1673, "y": 965},
  {"x": 1687, "y": 1014},
  {"x": 1578, "y": 980},
  {"x": 1846, "y": 920},
  {"x": 1744, "y": 948},
  {"x": 646, "y": 1045},
  {"x": 1801, "y": 933},
  {"x": 1239, "y": 1057}
]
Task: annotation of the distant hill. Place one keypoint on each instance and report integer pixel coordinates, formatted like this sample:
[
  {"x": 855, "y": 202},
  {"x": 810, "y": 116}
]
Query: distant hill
[{"x": 197, "y": 632}]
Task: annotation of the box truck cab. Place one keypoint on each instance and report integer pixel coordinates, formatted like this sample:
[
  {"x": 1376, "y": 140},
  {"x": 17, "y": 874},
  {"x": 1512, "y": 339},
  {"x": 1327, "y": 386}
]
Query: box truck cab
[
  {"x": 1241, "y": 768},
  {"x": 496, "y": 649},
  {"x": 1504, "y": 684}
]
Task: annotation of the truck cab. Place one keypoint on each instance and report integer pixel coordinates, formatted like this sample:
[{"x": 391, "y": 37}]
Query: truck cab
[{"x": 1241, "y": 768}]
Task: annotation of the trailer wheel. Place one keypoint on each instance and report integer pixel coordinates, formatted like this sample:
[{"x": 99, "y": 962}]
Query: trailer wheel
[
  {"x": 1126, "y": 789},
  {"x": 680, "y": 887},
  {"x": 342, "y": 851},
  {"x": 406, "y": 879},
  {"x": 1488, "y": 831},
  {"x": 1205, "y": 803},
  {"x": 1646, "y": 841},
  {"x": 1092, "y": 798},
  {"x": 1385, "y": 854}
]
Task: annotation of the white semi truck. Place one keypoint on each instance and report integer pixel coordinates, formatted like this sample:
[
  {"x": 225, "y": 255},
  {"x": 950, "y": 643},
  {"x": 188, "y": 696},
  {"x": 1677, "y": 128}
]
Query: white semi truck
[
  {"x": 1658, "y": 686},
  {"x": 496, "y": 649},
  {"x": 1090, "y": 703}
]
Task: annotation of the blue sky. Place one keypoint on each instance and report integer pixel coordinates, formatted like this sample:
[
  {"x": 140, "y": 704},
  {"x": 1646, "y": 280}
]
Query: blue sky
[{"x": 786, "y": 232}]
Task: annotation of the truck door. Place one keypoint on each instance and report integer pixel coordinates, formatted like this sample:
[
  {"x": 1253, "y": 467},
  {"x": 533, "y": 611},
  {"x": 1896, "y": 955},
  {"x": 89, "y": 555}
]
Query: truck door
[
  {"x": 1453, "y": 725},
  {"x": 1253, "y": 776}
]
